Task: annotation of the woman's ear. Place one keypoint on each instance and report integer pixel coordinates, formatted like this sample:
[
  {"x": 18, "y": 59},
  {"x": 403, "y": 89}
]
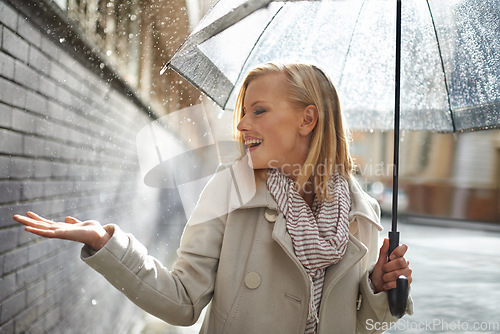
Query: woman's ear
[{"x": 309, "y": 120}]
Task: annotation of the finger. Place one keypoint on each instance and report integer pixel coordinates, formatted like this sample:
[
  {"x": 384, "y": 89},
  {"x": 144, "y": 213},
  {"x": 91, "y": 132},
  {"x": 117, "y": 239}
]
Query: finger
[
  {"x": 394, "y": 274},
  {"x": 400, "y": 251},
  {"x": 383, "y": 253},
  {"x": 397, "y": 264},
  {"x": 33, "y": 215},
  {"x": 29, "y": 221},
  {"x": 72, "y": 220},
  {"x": 392, "y": 284},
  {"x": 41, "y": 232}
]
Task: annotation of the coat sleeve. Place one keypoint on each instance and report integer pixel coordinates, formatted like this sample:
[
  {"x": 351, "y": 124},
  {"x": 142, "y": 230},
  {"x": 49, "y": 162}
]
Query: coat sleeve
[
  {"x": 374, "y": 315},
  {"x": 176, "y": 296}
]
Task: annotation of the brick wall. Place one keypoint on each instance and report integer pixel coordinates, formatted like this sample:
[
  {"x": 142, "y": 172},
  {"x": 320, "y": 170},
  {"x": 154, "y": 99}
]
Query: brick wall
[{"x": 67, "y": 147}]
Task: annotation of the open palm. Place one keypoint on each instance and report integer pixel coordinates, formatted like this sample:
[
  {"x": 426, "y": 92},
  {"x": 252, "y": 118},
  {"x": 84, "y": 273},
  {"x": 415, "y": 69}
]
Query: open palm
[{"x": 89, "y": 232}]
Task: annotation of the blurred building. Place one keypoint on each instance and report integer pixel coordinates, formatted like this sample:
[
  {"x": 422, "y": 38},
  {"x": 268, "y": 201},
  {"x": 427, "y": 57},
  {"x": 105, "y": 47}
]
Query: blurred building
[
  {"x": 137, "y": 38},
  {"x": 451, "y": 176}
]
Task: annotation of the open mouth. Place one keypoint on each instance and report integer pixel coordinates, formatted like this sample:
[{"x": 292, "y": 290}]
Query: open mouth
[{"x": 251, "y": 143}]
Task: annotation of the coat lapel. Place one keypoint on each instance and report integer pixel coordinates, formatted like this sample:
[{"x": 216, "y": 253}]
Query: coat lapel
[{"x": 354, "y": 253}]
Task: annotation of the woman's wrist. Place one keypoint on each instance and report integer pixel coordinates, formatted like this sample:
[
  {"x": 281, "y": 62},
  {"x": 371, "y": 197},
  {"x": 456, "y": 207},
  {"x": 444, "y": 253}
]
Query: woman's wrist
[{"x": 103, "y": 238}]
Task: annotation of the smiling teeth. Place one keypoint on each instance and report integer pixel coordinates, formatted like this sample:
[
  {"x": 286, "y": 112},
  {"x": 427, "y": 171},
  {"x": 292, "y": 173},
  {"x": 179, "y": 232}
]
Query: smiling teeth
[{"x": 251, "y": 142}]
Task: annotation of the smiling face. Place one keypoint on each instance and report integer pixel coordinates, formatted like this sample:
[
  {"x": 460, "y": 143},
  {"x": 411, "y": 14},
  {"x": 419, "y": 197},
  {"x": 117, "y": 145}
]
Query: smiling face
[{"x": 273, "y": 129}]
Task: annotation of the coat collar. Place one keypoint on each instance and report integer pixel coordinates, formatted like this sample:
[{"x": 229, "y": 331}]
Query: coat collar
[{"x": 361, "y": 204}]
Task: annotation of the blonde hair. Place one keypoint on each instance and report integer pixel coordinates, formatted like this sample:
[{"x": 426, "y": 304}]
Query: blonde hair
[{"x": 329, "y": 146}]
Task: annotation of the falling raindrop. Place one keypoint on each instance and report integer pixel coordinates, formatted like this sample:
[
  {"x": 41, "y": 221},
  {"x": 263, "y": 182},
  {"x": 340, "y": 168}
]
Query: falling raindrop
[
  {"x": 94, "y": 302},
  {"x": 101, "y": 65},
  {"x": 62, "y": 40}
]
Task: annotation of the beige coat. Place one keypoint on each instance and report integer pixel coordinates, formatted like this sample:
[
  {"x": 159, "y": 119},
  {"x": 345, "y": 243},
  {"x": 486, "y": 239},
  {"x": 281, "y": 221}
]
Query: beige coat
[{"x": 244, "y": 263}]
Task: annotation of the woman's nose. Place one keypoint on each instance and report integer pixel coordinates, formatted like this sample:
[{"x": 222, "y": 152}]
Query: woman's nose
[{"x": 243, "y": 124}]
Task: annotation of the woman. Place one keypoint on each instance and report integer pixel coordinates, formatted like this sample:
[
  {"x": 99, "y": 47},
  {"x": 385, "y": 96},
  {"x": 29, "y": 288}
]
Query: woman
[{"x": 299, "y": 257}]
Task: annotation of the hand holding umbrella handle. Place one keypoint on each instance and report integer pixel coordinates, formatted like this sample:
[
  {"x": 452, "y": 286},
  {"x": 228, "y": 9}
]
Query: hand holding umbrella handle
[{"x": 398, "y": 297}]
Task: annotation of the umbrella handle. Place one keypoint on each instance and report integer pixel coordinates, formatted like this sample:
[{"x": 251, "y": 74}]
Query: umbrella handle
[{"x": 398, "y": 297}]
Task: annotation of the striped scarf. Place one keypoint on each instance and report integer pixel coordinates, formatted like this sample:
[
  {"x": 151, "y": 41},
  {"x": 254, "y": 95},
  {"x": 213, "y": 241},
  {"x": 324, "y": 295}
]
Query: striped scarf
[{"x": 319, "y": 235}]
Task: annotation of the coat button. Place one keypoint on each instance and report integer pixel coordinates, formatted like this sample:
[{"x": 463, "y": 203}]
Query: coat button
[
  {"x": 252, "y": 280},
  {"x": 271, "y": 215}
]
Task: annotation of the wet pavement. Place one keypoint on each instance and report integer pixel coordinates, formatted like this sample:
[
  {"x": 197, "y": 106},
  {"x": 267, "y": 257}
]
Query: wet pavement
[{"x": 456, "y": 281}]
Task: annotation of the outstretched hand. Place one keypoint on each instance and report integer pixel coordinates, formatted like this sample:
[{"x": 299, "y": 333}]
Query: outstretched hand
[
  {"x": 385, "y": 272},
  {"x": 89, "y": 232}
]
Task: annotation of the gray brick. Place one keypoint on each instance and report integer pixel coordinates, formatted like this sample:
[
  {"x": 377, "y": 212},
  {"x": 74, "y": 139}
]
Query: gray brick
[
  {"x": 30, "y": 33},
  {"x": 32, "y": 190},
  {"x": 29, "y": 274},
  {"x": 5, "y": 116},
  {"x": 26, "y": 237},
  {"x": 48, "y": 302},
  {"x": 13, "y": 306},
  {"x": 21, "y": 167},
  {"x": 22, "y": 121},
  {"x": 7, "y": 328},
  {"x": 43, "y": 168},
  {"x": 7, "y": 285},
  {"x": 8, "y": 238},
  {"x": 35, "y": 292},
  {"x": 48, "y": 87},
  {"x": 60, "y": 169},
  {"x": 52, "y": 317},
  {"x": 26, "y": 76},
  {"x": 24, "y": 321},
  {"x": 15, "y": 45},
  {"x": 36, "y": 102},
  {"x": 59, "y": 131},
  {"x": 6, "y": 213},
  {"x": 6, "y": 65},
  {"x": 39, "y": 61},
  {"x": 15, "y": 259},
  {"x": 64, "y": 96},
  {"x": 10, "y": 142},
  {"x": 10, "y": 191},
  {"x": 11, "y": 93},
  {"x": 57, "y": 111},
  {"x": 4, "y": 166},
  {"x": 46, "y": 128},
  {"x": 35, "y": 146},
  {"x": 55, "y": 188},
  {"x": 40, "y": 249},
  {"x": 58, "y": 73},
  {"x": 8, "y": 16}
]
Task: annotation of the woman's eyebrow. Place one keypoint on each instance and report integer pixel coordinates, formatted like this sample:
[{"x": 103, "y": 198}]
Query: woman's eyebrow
[{"x": 257, "y": 102}]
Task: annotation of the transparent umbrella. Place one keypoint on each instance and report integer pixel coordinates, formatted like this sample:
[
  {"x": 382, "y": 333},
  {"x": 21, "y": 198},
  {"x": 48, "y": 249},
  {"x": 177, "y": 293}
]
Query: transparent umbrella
[
  {"x": 446, "y": 61},
  {"x": 450, "y": 67}
]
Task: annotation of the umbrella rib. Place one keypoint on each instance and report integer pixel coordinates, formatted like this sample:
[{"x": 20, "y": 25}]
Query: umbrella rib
[
  {"x": 251, "y": 51},
  {"x": 350, "y": 42},
  {"x": 442, "y": 67},
  {"x": 221, "y": 24}
]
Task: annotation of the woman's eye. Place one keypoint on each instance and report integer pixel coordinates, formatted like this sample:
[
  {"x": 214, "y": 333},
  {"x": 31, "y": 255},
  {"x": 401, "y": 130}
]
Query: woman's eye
[{"x": 259, "y": 111}]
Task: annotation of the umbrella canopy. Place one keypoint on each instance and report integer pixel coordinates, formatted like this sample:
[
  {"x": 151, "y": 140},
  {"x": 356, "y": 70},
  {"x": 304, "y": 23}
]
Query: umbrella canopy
[{"x": 450, "y": 67}]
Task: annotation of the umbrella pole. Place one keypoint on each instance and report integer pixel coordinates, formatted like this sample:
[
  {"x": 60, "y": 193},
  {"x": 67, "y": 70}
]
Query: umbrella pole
[{"x": 398, "y": 297}]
